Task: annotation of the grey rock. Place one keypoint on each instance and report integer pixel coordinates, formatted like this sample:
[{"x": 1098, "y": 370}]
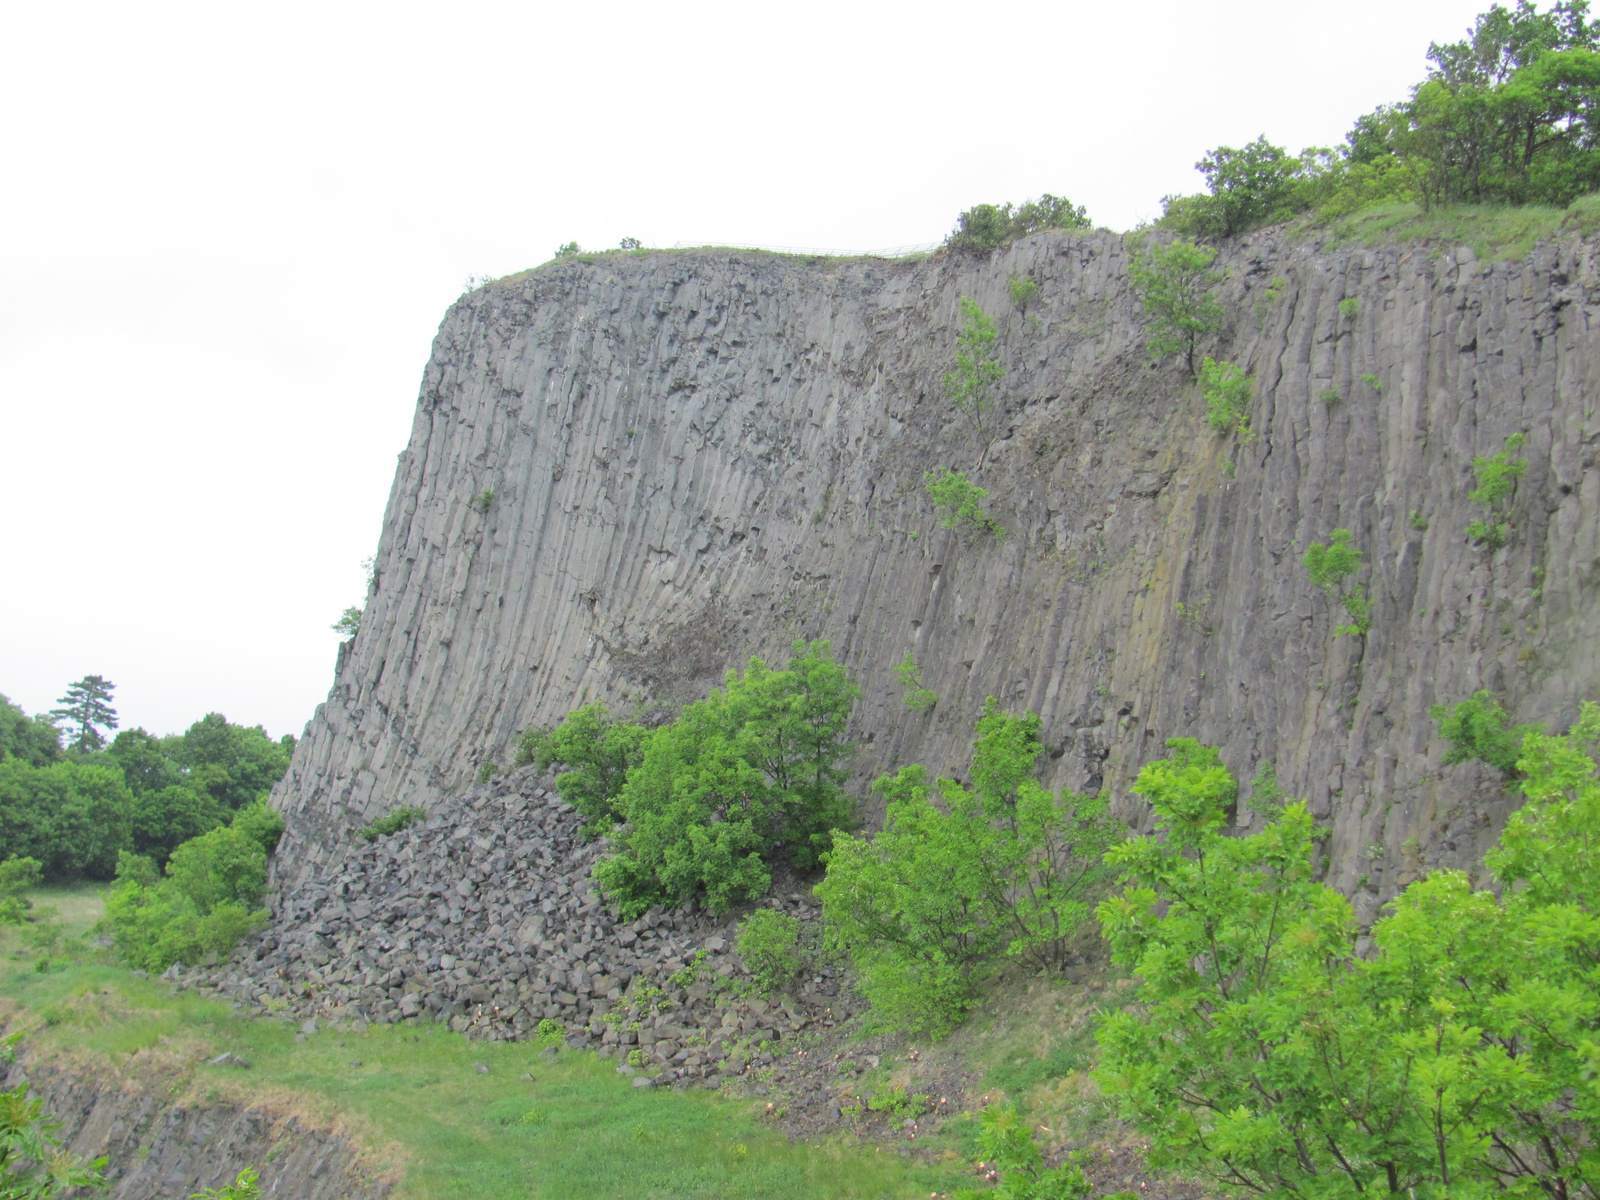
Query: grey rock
[{"x": 695, "y": 455}]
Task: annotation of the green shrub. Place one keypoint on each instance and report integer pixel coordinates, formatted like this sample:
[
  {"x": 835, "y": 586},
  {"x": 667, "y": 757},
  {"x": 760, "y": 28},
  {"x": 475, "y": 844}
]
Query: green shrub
[
  {"x": 960, "y": 879},
  {"x": 1497, "y": 477},
  {"x": 917, "y": 697},
  {"x": 959, "y": 502},
  {"x": 1454, "y": 1058},
  {"x": 751, "y": 772},
  {"x": 1350, "y": 307},
  {"x": 261, "y": 823},
  {"x": 1023, "y": 293},
  {"x": 977, "y": 368},
  {"x": 1329, "y": 567},
  {"x": 203, "y": 906},
  {"x": 1175, "y": 285},
  {"x": 244, "y": 1187},
  {"x": 33, "y": 1163},
  {"x": 348, "y": 624},
  {"x": 403, "y": 817},
  {"x": 1479, "y": 728},
  {"x": 567, "y": 250},
  {"x": 1007, "y": 1144},
  {"x": 986, "y": 227},
  {"x": 599, "y": 751},
  {"x": 769, "y": 943},
  {"x": 1226, "y": 389},
  {"x": 18, "y": 876}
]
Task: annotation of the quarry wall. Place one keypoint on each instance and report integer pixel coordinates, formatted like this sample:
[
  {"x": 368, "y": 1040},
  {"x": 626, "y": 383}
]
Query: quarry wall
[{"x": 629, "y": 473}]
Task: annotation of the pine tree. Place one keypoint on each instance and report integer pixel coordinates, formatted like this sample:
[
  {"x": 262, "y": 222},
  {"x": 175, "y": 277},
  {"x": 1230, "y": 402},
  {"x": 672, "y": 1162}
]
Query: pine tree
[{"x": 87, "y": 705}]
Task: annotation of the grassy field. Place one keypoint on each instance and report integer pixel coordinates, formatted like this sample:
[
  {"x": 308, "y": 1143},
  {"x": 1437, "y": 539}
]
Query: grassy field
[{"x": 424, "y": 1112}]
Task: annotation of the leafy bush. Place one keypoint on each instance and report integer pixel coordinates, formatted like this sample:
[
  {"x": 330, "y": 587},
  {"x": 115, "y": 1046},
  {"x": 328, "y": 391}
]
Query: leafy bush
[
  {"x": 917, "y": 697},
  {"x": 977, "y": 369},
  {"x": 946, "y": 890},
  {"x": 1497, "y": 476},
  {"x": 33, "y": 1163},
  {"x": 959, "y": 502},
  {"x": 1174, "y": 283},
  {"x": 1226, "y": 389},
  {"x": 18, "y": 876},
  {"x": 244, "y": 1187},
  {"x": 749, "y": 773},
  {"x": 1479, "y": 728},
  {"x": 989, "y": 226},
  {"x": 1023, "y": 293},
  {"x": 203, "y": 906},
  {"x": 403, "y": 817},
  {"x": 598, "y": 749},
  {"x": 768, "y": 942},
  {"x": 1007, "y": 1144},
  {"x": 1329, "y": 566},
  {"x": 348, "y": 624},
  {"x": 1264, "y": 1048}
]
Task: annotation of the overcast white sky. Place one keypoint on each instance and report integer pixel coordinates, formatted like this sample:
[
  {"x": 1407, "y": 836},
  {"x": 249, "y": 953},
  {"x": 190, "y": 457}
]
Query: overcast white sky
[{"x": 228, "y": 233}]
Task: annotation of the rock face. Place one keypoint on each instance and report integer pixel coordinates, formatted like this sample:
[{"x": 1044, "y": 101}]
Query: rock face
[
  {"x": 157, "y": 1148},
  {"x": 628, "y": 474}
]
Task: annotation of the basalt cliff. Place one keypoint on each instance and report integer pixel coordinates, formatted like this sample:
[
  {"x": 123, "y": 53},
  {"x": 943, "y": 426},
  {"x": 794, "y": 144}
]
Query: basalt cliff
[{"x": 628, "y": 474}]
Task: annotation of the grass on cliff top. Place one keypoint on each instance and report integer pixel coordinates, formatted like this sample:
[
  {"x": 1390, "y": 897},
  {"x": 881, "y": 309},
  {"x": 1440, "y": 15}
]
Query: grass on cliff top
[
  {"x": 1493, "y": 233},
  {"x": 415, "y": 1101}
]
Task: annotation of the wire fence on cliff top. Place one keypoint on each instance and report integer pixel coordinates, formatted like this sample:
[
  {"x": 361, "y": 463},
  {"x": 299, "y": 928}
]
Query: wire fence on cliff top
[{"x": 889, "y": 252}]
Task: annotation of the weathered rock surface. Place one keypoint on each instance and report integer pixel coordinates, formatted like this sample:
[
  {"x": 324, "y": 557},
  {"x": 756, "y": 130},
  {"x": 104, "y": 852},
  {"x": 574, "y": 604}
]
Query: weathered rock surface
[
  {"x": 160, "y": 1149},
  {"x": 627, "y": 475}
]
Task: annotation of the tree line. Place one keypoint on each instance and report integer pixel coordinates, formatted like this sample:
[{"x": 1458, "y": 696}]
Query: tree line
[{"x": 74, "y": 799}]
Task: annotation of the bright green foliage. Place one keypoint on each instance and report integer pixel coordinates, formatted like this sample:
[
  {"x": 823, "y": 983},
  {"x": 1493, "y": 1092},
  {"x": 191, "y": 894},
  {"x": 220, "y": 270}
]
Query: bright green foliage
[
  {"x": 1330, "y": 567},
  {"x": 1007, "y": 1144},
  {"x": 1004, "y": 869},
  {"x": 917, "y": 697},
  {"x": 87, "y": 705},
  {"x": 32, "y": 739},
  {"x": 244, "y": 1187},
  {"x": 73, "y": 817},
  {"x": 1263, "y": 1052},
  {"x": 1174, "y": 282},
  {"x": 598, "y": 749},
  {"x": 1226, "y": 389},
  {"x": 33, "y": 1163},
  {"x": 348, "y": 624},
  {"x": 1507, "y": 116},
  {"x": 959, "y": 502},
  {"x": 977, "y": 367},
  {"x": 403, "y": 817},
  {"x": 768, "y": 942},
  {"x": 1479, "y": 728},
  {"x": 1023, "y": 293},
  {"x": 17, "y": 877},
  {"x": 1350, "y": 307},
  {"x": 753, "y": 770},
  {"x": 1497, "y": 476},
  {"x": 1249, "y": 186},
  {"x": 203, "y": 906},
  {"x": 567, "y": 250},
  {"x": 989, "y": 226}
]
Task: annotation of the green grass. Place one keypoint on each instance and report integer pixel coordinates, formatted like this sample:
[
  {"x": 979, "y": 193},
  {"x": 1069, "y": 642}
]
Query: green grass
[
  {"x": 1492, "y": 232},
  {"x": 414, "y": 1094}
]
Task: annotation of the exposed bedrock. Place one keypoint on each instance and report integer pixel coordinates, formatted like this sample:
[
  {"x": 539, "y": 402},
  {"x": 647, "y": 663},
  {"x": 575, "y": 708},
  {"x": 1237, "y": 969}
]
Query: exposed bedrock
[{"x": 627, "y": 475}]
